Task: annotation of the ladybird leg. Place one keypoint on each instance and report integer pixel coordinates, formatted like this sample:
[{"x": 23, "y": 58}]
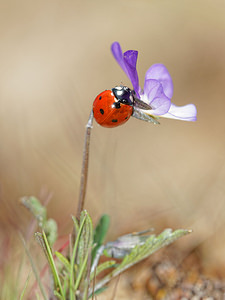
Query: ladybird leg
[{"x": 141, "y": 115}]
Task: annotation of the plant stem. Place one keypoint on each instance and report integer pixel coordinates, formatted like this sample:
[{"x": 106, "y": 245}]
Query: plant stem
[{"x": 84, "y": 171}]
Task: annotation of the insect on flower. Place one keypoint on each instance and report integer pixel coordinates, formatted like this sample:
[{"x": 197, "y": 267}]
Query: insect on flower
[{"x": 114, "y": 107}]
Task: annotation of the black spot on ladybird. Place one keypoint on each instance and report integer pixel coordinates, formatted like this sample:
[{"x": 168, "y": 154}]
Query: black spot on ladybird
[
  {"x": 114, "y": 120},
  {"x": 126, "y": 118},
  {"x": 102, "y": 111},
  {"x": 100, "y": 98}
]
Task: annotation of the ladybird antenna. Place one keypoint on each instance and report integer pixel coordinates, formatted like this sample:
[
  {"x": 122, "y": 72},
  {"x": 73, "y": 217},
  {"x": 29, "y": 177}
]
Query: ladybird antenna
[{"x": 84, "y": 170}]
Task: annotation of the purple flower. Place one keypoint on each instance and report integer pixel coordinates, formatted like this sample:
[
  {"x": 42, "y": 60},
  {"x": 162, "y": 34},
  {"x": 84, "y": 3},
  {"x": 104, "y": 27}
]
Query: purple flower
[{"x": 158, "y": 86}]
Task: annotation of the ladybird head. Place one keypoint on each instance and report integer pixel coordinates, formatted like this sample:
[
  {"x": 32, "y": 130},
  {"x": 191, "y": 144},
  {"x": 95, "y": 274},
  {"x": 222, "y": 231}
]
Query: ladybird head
[{"x": 124, "y": 95}]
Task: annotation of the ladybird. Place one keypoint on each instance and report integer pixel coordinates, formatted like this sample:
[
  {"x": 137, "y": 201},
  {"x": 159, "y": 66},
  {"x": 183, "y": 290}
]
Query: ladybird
[{"x": 114, "y": 107}]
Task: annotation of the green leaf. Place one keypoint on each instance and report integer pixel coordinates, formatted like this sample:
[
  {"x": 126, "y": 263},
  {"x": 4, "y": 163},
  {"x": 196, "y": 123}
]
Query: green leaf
[
  {"x": 141, "y": 251},
  {"x": 76, "y": 225},
  {"x": 84, "y": 251},
  {"x": 81, "y": 251},
  {"x": 36, "y": 208},
  {"x": 51, "y": 231},
  {"x": 37, "y": 296},
  {"x": 124, "y": 244},
  {"x": 25, "y": 287},
  {"x": 152, "y": 244},
  {"x": 100, "y": 233},
  {"x": 99, "y": 291},
  {"x": 86, "y": 239},
  {"x": 40, "y": 213},
  {"x": 106, "y": 265},
  {"x": 101, "y": 230},
  {"x": 63, "y": 260},
  {"x": 78, "y": 229},
  {"x": 57, "y": 294},
  {"x": 41, "y": 238}
]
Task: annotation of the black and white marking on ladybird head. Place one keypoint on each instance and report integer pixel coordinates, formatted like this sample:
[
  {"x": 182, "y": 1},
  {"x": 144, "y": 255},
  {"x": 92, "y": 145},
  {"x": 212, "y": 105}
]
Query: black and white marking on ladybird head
[
  {"x": 124, "y": 95},
  {"x": 116, "y": 105}
]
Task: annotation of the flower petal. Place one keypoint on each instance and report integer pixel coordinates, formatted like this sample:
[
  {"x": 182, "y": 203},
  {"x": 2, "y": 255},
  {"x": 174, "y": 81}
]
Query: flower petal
[
  {"x": 161, "y": 74},
  {"x": 118, "y": 55},
  {"x": 127, "y": 62},
  {"x": 151, "y": 88},
  {"x": 154, "y": 96},
  {"x": 130, "y": 59},
  {"x": 185, "y": 113},
  {"x": 160, "y": 106}
]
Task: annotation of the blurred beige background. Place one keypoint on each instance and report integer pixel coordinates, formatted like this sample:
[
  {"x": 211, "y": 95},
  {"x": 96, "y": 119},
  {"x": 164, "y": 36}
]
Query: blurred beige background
[{"x": 55, "y": 58}]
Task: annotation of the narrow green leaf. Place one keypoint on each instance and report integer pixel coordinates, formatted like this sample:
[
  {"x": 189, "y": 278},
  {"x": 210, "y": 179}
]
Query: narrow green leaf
[
  {"x": 52, "y": 265},
  {"x": 84, "y": 253},
  {"x": 51, "y": 231},
  {"x": 76, "y": 225},
  {"x": 101, "y": 229},
  {"x": 99, "y": 291},
  {"x": 86, "y": 239},
  {"x": 41, "y": 238},
  {"x": 37, "y": 296},
  {"x": 152, "y": 244},
  {"x": 65, "y": 285},
  {"x": 72, "y": 260},
  {"x": 140, "y": 252},
  {"x": 25, "y": 287},
  {"x": 126, "y": 243},
  {"x": 63, "y": 260},
  {"x": 106, "y": 265},
  {"x": 100, "y": 233},
  {"x": 82, "y": 268},
  {"x": 58, "y": 295}
]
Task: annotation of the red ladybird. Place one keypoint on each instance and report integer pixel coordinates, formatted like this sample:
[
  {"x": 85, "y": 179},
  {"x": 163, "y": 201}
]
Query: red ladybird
[{"x": 114, "y": 107}]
